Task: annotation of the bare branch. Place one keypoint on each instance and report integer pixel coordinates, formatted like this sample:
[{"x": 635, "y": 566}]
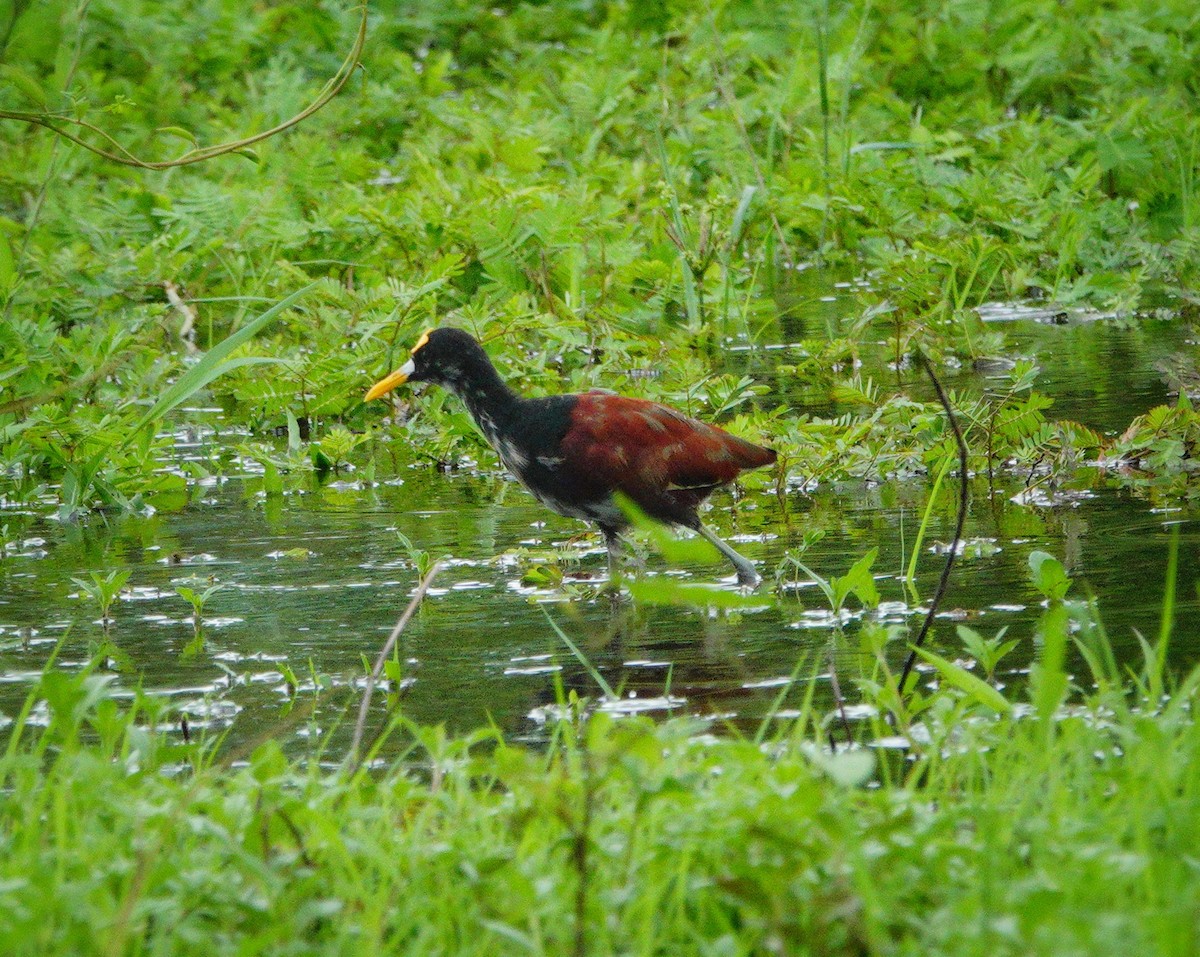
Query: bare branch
[
  {"x": 944, "y": 581},
  {"x": 60, "y": 123},
  {"x": 373, "y": 677}
]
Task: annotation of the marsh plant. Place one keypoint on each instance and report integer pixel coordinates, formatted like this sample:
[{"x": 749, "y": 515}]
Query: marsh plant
[
  {"x": 104, "y": 591},
  {"x": 197, "y": 598},
  {"x": 578, "y": 843},
  {"x": 655, "y": 211},
  {"x": 332, "y": 452}
]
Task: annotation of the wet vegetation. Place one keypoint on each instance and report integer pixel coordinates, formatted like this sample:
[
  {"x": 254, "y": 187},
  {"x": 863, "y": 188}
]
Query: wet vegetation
[{"x": 761, "y": 215}]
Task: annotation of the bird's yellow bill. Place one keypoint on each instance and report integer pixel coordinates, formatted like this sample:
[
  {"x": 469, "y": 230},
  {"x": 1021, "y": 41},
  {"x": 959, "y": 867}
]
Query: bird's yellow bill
[{"x": 387, "y": 383}]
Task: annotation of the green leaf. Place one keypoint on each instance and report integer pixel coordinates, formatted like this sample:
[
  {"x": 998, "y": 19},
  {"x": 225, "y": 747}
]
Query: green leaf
[
  {"x": 740, "y": 216},
  {"x": 583, "y": 660},
  {"x": 857, "y": 581},
  {"x": 293, "y": 427},
  {"x": 520, "y": 153},
  {"x": 215, "y": 363},
  {"x": 1121, "y": 151},
  {"x": 964, "y": 681},
  {"x": 8, "y": 264},
  {"x": 987, "y": 651},
  {"x": 28, "y": 86},
  {"x": 178, "y": 131},
  {"x": 1047, "y": 679},
  {"x": 674, "y": 549},
  {"x": 321, "y": 462},
  {"x": 1049, "y": 576},
  {"x": 668, "y": 591},
  {"x": 272, "y": 482},
  {"x": 850, "y": 769}
]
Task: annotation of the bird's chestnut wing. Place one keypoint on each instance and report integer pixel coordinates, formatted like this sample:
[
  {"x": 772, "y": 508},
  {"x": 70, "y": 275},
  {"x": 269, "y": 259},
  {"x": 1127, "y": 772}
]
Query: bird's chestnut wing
[{"x": 645, "y": 449}]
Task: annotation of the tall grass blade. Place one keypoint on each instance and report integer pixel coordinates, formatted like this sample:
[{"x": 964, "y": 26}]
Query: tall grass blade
[
  {"x": 31, "y": 699},
  {"x": 581, "y": 657},
  {"x": 911, "y": 572},
  {"x": 1167, "y": 622},
  {"x": 1048, "y": 677},
  {"x": 823, "y": 85},
  {"x": 216, "y": 363},
  {"x": 740, "y": 215},
  {"x": 767, "y": 719},
  {"x": 822, "y": 28}
]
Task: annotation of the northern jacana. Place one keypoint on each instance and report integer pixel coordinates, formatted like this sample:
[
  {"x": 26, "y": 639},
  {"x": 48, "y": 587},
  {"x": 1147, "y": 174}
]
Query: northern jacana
[{"x": 574, "y": 452}]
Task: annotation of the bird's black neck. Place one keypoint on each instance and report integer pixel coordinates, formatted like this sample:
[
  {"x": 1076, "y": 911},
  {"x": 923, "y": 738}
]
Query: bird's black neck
[{"x": 487, "y": 397}]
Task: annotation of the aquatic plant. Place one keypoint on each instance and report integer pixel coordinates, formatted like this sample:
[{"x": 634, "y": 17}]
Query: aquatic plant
[
  {"x": 654, "y": 208},
  {"x": 197, "y": 599},
  {"x": 104, "y": 591}
]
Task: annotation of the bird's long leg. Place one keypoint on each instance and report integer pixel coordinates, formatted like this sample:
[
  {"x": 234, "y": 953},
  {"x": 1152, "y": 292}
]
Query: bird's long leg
[
  {"x": 618, "y": 550},
  {"x": 612, "y": 541},
  {"x": 746, "y": 572}
]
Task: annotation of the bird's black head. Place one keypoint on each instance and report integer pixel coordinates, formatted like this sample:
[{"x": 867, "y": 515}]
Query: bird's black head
[{"x": 447, "y": 357}]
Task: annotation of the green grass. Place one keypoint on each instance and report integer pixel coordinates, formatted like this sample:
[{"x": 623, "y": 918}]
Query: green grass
[{"x": 1058, "y": 826}]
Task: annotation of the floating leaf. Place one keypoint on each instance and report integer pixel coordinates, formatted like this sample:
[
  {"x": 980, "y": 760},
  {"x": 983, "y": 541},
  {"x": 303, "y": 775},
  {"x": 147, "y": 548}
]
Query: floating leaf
[{"x": 1049, "y": 576}]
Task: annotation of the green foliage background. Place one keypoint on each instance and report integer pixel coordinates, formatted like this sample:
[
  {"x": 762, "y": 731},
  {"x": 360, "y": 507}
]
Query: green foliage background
[{"x": 586, "y": 182}]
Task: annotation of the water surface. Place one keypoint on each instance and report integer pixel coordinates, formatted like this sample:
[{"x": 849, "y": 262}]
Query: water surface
[{"x": 315, "y": 581}]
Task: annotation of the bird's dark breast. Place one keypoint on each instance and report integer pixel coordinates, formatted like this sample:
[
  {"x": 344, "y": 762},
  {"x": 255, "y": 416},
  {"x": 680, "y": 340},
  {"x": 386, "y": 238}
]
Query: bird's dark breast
[{"x": 531, "y": 447}]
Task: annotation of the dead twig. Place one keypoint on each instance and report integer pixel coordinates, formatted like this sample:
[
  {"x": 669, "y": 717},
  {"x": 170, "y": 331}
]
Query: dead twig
[
  {"x": 373, "y": 677},
  {"x": 944, "y": 581},
  {"x": 115, "y": 152}
]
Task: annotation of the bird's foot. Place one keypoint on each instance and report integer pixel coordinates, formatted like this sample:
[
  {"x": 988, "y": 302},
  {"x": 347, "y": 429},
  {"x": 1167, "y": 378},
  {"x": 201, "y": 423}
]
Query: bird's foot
[
  {"x": 747, "y": 575},
  {"x": 748, "y": 581}
]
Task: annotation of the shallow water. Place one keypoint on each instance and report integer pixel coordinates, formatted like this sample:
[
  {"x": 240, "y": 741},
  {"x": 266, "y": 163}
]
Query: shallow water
[{"x": 315, "y": 581}]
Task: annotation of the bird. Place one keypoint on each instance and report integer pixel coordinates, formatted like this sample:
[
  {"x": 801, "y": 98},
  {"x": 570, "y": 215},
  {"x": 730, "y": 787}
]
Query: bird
[{"x": 579, "y": 454}]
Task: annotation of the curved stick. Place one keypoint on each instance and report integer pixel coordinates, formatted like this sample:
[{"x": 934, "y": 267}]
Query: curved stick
[
  {"x": 944, "y": 581},
  {"x": 373, "y": 677},
  {"x": 117, "y": 153}
]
